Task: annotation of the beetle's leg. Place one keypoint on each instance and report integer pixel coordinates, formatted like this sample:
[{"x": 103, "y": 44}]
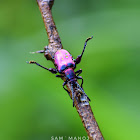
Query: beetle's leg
[
  {"x": 79, "y": 72},
  {"x": 41, "y": 51},
  {"x": 59, "y": 76},
  {"x": 52, "y": 70},
  {"x": 68, "y": 91},
  {"x": 78, "y": 59},
  {"x": 80, "y": 77},
  {"x": 64, "y": 85}
]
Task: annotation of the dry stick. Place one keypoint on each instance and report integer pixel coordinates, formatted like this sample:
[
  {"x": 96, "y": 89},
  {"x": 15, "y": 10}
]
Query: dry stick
[{"x": 84, "y": 111}]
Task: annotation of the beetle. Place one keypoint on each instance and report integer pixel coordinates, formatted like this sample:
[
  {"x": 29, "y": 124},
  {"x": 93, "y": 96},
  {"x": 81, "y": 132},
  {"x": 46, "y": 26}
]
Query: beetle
[{"x": 65, "y": 65}]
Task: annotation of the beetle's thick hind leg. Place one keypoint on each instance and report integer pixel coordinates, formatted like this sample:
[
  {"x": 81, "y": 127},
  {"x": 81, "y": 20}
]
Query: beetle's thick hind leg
[{"x": 52, "y": 70}]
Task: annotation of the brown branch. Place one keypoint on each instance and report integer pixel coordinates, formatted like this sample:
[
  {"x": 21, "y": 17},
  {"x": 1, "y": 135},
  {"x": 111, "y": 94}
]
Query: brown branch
[
  {"x": 53, "y": 37},
  {"x": 83, "y": 108}
]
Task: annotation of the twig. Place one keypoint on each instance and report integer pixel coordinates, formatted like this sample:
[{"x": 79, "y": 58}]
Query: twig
[{"x": 84, "y": 110}]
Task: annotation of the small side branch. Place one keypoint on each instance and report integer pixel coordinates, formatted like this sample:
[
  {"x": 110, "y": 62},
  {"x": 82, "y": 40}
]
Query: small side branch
[{"x": 84, "y": 111}]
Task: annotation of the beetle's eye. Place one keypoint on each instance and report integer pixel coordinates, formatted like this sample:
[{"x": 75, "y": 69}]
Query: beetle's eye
[{"x": 63, "y": 68}]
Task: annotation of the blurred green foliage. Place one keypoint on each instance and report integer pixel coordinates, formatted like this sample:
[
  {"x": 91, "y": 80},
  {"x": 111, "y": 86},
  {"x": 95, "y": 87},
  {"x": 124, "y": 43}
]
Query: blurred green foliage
[{"x": 33, "y": 104}]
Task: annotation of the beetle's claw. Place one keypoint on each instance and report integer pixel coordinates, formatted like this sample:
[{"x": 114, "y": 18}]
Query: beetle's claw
[{"x": 30, "y": 62}]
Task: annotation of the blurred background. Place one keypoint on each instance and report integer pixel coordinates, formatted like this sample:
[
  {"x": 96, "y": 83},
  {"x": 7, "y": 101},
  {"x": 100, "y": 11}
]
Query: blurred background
[{"x": 33, "y": 104}]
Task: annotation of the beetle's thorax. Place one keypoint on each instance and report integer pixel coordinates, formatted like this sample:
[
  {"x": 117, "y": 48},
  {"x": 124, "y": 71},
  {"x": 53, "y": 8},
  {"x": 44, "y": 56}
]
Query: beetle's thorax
[{"x": 70, "y": 74}]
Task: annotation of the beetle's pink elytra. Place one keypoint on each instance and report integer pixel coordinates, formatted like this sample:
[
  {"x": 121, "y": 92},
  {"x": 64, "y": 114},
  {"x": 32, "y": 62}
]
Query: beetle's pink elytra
[{"x": 62, "y": 58}]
